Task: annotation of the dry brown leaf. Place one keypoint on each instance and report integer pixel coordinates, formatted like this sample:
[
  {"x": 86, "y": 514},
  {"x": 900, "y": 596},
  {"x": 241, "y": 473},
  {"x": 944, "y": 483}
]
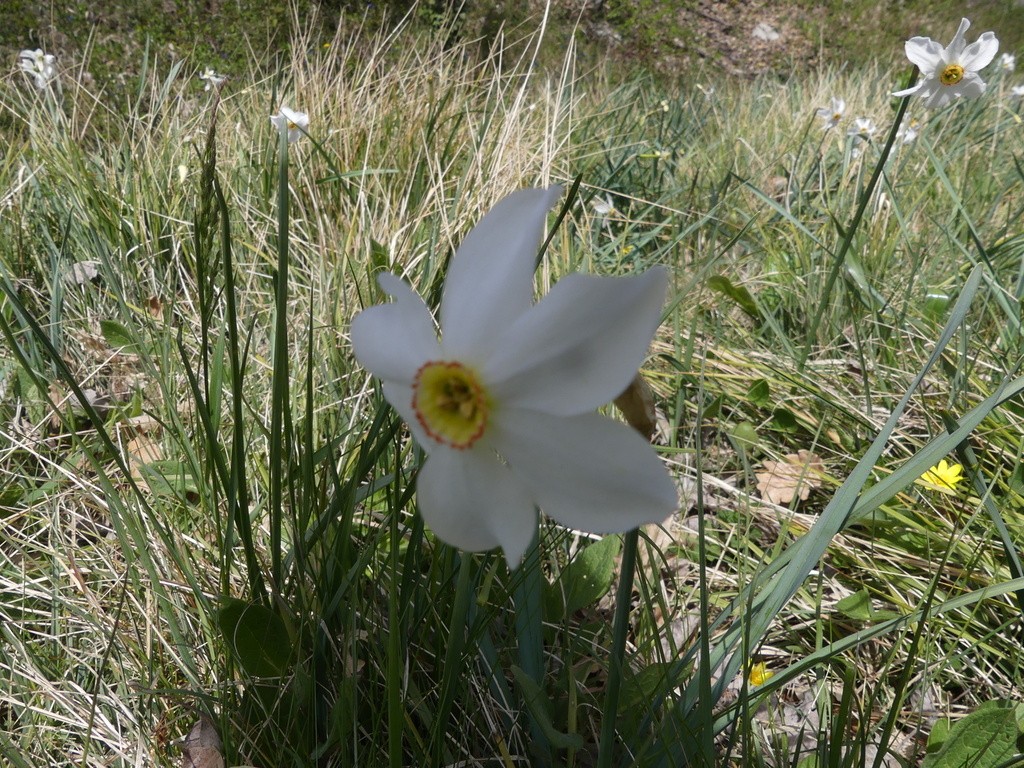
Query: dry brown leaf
[
  {"x": 201, "y": 748},
  {"x": 144, "y": 447},
  {"x": 155, "y": 307},
  {"x": 795, "y": 476}
]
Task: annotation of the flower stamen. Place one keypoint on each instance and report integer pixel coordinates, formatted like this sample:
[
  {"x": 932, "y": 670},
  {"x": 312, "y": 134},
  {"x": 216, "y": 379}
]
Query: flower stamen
[
  {"x": 952, "y": 74},
  {"x": 450, "y": 403}
]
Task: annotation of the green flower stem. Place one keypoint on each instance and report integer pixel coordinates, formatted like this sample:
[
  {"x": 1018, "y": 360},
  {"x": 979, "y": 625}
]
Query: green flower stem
[
  {"x": 851, "y": 230},
  {"x": 453, "y": 654},
  {"x": 530, "y": 638},
  {"x": 623, "y": 600},
  {"x": 279, "y": 395}
]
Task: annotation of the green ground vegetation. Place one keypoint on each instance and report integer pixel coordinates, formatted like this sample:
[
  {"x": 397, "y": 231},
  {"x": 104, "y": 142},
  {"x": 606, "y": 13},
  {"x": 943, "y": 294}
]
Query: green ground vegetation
[{"x": 196, "y": 528}]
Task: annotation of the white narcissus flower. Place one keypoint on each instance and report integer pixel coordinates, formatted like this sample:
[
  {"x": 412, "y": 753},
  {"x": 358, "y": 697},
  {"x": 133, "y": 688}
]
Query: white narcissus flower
[
  {"x": 909, "y": 131},
  {"x": 504, "y": 404},
  {"x": 1007, "y": 62},
  {"x": 295, "y": 123},
  {"x": 951, "y": 72},
  {"x": 863, "y": 129},
  {"x": 832, "y": 114},
  {"x": 1018, "y": 91},
  {"x": 38, "y": 65},
  {"x": 212, "y": 79}
]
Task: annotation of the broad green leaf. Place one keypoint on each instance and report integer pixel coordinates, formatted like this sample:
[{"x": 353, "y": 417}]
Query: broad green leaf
[
  {"x": 257, "y": 637},
  {"x": 740, "y": 295},
  {"x": 583, "y": 581},
  {"x": 986, "y": 738},
  {"x": 856, "y": 606},
  {"x": 118, "y": 336},
  {"x": 589, "y": 576},
  {"x": 759, "y": 392}
]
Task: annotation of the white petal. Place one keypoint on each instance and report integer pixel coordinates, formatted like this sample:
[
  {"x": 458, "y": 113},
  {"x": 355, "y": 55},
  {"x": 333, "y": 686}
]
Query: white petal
[
  {"x": 980, "y": 53},
  {"x": 908, "y": 91},
  {"x": 400, "y": 397},
  {"x": 490, "y": 280},
  {"x": 955, "y": 48},
  {"x": 587, "y": 472},
  {"x": 938, "y": 96},
  {"x": 924, "y": 52},
  {"x": 970, "y": 87},
  {"x": 473, "y": 502},
  {"x": 393, "y": 340},
  {"x": 580, "y": 346}
]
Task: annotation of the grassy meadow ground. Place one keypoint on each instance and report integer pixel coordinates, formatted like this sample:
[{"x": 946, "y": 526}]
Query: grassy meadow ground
[{"x": 208, "y": 523}]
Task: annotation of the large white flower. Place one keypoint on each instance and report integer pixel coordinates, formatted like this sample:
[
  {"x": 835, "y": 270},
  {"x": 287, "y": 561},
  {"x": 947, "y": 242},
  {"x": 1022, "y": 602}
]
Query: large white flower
[
  {"x": 39, "y": 66},
  {"x": 951, "y": 72},
  {"x": 504, "y": 403},
  {"x": 295, "y": 123}
]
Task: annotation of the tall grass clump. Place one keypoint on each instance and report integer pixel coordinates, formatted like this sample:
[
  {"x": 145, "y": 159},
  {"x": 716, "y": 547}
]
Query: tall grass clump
[{"x": 211, "y": 542}]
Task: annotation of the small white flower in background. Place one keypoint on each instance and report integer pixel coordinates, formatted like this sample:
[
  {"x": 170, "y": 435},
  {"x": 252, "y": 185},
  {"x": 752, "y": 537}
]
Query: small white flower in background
[
  {"x": 1007, "y": 62},
  {"x": 39, "y": 66},
  {"x": 909, "y": 130},
  {"x": 1018, "y": 91},
  {"x": 504, "y": 403},
  {"x": 832, "y": 114},
  {"x": 863, "y": 129},
  {"x": 212, "y": 79},
  {"x": 951, "y": 72},
  {"x": 603, "y": 206},
  {"x": 295, "y": 123}
]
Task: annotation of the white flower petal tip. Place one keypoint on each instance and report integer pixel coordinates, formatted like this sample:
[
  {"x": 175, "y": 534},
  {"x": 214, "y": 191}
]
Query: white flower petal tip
[
  {"x": 504, "y": 403},
  {"x": 950, "y": 73},
  {"x": 490, "y": 280},
  {"x": 295, "y": 124}
]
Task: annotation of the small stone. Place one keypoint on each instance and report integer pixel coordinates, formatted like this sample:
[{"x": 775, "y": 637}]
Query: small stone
[{"x": 766, "y": 32}]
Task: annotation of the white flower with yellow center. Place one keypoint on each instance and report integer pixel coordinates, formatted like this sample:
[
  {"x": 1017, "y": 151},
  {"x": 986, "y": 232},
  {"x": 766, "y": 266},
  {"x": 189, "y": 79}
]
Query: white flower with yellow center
[
  {"x": 863, "y": 129},
  {"x": 951, "y": 72},
  {"x": 832, "y": 114},
  {"x": 295, "y": 123},
  {"x": 504, "y": 403}
]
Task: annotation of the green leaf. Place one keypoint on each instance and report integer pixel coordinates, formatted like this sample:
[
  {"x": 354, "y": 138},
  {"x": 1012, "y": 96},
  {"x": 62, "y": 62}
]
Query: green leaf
[
  {"x": 583, "y": 581},
  {"x": 936, "y": 304},
  {"x": 986, "y": 738},
  {"x": 784, "y": 420},
  {"x": 856, "y": 606},
  {"x": 540, "y": 707},
  {"x": 759, "y": 392},
  {"x": 740, "y": 295},
  {"x": 257, "y": 637},
  {"x": 744, "y": 436},
  {"x": 118, "y": 336},
  {"x": 589, "y": 576}
]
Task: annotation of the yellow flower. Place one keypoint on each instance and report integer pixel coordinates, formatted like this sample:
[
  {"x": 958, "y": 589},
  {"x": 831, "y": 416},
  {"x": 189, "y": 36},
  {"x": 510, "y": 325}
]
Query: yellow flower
[
  {"x": 759, "y": 674},
  {"x": 943, "y": 477}
]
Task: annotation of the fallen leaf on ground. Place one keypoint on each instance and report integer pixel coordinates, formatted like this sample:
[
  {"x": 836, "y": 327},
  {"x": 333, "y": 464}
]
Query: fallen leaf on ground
[
  {"x": 780, "y": 482},
  {"x": 201, "y": 748}
]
